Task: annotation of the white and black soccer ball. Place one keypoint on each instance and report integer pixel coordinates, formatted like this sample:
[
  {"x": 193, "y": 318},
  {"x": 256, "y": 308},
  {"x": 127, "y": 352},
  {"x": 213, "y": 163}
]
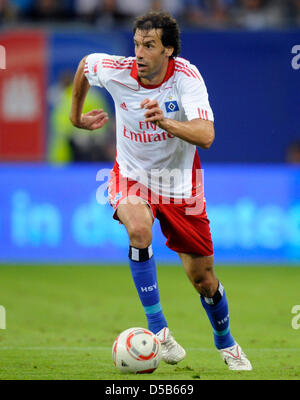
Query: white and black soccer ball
[{"x": 136, "y": 350}]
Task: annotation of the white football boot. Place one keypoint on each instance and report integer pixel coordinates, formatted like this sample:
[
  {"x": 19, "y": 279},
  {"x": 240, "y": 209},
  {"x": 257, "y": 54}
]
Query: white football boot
[
  {"x": 235, "y": 358},
  {"x": 172, "y": 352}
]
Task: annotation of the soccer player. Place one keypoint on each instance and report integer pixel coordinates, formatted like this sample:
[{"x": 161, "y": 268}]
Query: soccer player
[{"x": 162, "y": 114}]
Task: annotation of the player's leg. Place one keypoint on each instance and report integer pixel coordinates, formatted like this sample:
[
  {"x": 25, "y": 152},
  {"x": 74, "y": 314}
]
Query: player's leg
[
  {"x": 137, "y": 218},
  {"x": 201, "y": 273},
  {"x": 138, "y": 221}
]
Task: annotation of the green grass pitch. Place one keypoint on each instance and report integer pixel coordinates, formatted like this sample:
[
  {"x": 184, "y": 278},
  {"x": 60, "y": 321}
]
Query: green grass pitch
[{"x": 61, "y": 322}]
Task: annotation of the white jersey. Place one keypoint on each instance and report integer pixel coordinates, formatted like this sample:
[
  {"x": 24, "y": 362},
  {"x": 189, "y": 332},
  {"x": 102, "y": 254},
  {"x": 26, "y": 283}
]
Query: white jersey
[{"x": 146, "y": 153}]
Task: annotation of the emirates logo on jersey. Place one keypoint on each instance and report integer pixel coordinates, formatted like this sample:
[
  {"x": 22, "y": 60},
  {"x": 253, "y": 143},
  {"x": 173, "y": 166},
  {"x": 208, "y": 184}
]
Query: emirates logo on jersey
[
  {"x": 144, "y": 137},
  {"x": 123, "y": 106}
]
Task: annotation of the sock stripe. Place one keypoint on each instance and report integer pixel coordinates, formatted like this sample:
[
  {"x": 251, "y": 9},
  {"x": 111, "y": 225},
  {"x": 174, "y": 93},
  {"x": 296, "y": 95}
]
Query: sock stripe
[
  {"x": 150, "y": 251},
  {"x": 140, "y": 255},
  {"x": 135, "y": 254},
  {"x": 221, "y": 333},
  {"x": 153, "y": 309},
  {"x": 216, "y": 297}
]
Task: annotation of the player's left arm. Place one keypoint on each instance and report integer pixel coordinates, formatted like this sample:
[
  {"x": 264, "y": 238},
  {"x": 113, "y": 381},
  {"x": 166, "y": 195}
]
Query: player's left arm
[{"x": 198, "y": 131}]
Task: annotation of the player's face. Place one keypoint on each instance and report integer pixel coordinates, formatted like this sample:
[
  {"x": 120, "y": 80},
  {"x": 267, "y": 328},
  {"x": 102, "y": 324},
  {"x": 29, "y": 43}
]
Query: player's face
[{"x": 151, "y": 56}]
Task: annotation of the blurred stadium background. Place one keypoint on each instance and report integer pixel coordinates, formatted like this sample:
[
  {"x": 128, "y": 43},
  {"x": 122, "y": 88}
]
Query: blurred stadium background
[
  {"x": 62, "y": 319},
  {"x": 248, "y": 53}
]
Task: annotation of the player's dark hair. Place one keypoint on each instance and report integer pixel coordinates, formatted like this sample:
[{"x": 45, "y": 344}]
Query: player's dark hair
[{"x": 161, "y": 20}]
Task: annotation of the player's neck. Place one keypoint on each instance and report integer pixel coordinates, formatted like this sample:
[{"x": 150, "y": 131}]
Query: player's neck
[{"x": 158, "y": 78}]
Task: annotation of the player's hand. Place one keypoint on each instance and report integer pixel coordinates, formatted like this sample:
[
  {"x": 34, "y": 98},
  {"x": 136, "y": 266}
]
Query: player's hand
[
  {"x": 92, "y": 120},
  {"x": 153, "y": 112}
]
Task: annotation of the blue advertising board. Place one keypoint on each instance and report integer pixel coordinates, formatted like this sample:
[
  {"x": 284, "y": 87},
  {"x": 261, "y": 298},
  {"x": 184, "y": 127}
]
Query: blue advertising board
[{"x": 51, "y": 215}]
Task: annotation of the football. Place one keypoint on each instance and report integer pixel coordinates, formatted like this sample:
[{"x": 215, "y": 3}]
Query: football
[{"x": 136, "y": 350}]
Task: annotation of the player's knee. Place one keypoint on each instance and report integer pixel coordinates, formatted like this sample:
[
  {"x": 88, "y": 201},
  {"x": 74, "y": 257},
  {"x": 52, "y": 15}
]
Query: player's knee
[
  {"x": 204, "y": 284},
  {"x": 140, "y": 234}
]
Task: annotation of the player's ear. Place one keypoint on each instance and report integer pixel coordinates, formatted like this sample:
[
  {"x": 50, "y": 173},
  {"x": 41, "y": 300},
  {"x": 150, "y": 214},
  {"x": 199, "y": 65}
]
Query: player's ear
[{"x": 169, "y": 51}]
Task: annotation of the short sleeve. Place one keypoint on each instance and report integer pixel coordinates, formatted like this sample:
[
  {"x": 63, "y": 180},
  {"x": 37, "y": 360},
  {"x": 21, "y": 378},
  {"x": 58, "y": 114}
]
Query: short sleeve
[
  {"x": 93, "y": 70},
  {"x": 98, "y": 68},
  {"x": 194, "y": 96}
]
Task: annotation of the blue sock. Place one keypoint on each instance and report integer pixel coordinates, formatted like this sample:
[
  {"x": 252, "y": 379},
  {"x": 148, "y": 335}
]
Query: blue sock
[
  {"x": 143, "y": 271},
  {"x": 216, "y": 308}
]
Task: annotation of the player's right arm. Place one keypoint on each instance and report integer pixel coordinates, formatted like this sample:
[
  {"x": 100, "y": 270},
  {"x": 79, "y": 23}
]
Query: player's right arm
[{"x": 94, "y": 119}]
